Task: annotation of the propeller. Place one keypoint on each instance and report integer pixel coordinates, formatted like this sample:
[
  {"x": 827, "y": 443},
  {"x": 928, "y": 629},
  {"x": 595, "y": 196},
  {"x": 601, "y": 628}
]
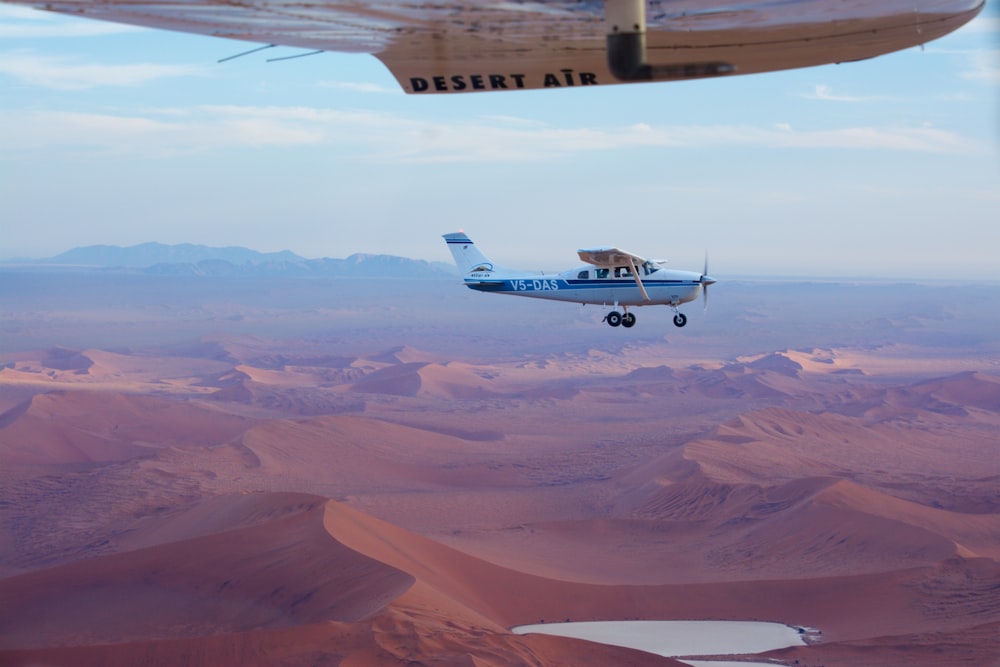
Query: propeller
[{"x": 705, "y": 281}]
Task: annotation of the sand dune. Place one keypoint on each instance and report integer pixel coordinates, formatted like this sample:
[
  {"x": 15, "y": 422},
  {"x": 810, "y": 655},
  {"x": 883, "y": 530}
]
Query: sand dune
[
  {"x": 776, "y": 362},
  {"x": 285, "y": 572},
  {"x": 208, "y": 587},
  {"x": 292, "y": 564},
  {"x": 453, "y": 380},
  {"x": 395, "y": 640},
  {"x": 814, "y": 538},
  {"x": 404, "y": 354},
  {"x": 974, "y": 535},
  {"x": 969, "y": 389},
  {"x": 303, "y": 391},
  {"x": 603, "y": 479},
  {"x": 89, "y": 427},
  {"x": 350, "y": 455},
  {"x": 399, "y": 380},
  {"x": 780, "y": 444},
  {"x": 65, "y": 360}
]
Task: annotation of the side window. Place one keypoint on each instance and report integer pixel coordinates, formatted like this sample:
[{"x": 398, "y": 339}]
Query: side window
[
  {"x": 602, "y": 273},
  {"x": 622, "y": 272},
  {"x": 583, "y": 275}
]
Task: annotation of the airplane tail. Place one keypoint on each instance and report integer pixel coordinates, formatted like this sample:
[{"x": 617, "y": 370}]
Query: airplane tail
[{"x": 468, "y": 257}]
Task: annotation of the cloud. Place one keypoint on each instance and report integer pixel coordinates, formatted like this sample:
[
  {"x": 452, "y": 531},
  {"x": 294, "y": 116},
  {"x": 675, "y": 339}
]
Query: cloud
[
  {"x": 356, "y": 87},
  {"x": 398, "y": 138},
  {"x": 825, "y": 93},
  {"x": 983, "y": 67},
  {"x": 66, "y": 73},
  {"x": 174, "y": 133},
  {"x": 982, "y": 24},
  {"x": 26, "y": 23}
]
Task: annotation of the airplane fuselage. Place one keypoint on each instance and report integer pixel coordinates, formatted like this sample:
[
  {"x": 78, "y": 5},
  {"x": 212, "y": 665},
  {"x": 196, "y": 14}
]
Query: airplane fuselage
[{"x": 585, "y": 285}]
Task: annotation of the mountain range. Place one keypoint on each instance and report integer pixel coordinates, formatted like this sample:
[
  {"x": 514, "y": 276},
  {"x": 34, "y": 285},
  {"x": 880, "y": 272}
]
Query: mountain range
[{"x": 188, "y": 259}]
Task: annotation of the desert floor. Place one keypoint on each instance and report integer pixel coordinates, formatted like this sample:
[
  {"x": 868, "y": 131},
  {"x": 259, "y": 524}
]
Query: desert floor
[{"x": 340, "y": 472}]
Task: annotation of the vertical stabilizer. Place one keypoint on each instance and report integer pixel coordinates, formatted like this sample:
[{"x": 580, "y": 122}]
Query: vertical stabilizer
[{"x": 468, "y": 257}]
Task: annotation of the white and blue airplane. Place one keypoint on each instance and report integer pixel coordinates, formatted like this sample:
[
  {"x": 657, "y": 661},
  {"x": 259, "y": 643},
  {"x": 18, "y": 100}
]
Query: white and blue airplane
[{"x": 611, "y": 277}]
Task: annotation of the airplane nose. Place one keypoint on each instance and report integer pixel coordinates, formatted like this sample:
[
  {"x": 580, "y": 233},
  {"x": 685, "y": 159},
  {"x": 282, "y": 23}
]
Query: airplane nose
[{"x": 705, "y": 280}]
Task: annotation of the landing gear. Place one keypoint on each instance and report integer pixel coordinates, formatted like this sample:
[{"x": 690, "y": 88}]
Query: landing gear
[
  {"x": 680, "y": 319},
  {"x": 616, "y": 319},
  {"x": 626, "y": 48}
]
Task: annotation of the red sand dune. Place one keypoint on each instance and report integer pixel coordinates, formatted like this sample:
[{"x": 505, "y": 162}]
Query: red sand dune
[
  {"x": 379, "y": 591},
  {"x": 453, "y": 380},
  {"x": 593, "y": 489},
  {"x": 98, "y": 426},
  {"x": 284, "y": 572},
  {"x": 777, "y": 444}
]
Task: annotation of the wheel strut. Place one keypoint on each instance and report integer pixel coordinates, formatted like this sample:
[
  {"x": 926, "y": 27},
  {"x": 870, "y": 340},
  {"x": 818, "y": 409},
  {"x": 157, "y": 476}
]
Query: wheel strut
[{"x": 626, "y": 47}]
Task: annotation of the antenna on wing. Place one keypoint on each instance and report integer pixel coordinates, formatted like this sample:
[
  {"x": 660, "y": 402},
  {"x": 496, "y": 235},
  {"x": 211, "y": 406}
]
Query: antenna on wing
[
  {"x": 246, "y": 53},
  {"x": 297, "y": 55}
]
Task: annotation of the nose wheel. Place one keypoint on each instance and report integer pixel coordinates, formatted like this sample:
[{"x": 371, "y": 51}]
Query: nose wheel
[{"x": 680, "y": 319}]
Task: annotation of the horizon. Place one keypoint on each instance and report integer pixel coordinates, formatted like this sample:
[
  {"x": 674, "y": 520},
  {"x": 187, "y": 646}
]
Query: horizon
[
  {"x": 45, "y": 262},
  {"x": 860, "y": 168}
]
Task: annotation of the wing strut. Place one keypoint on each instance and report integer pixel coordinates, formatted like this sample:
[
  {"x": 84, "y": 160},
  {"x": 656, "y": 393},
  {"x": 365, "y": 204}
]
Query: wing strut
[
  {"x": 638, "y": 279},
  {"x": 626, "y": 45}
]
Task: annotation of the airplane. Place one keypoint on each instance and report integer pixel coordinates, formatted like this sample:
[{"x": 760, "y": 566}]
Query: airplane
[
  {"x": 464, "y": 46},
  {"x": 611, "y": 276}
]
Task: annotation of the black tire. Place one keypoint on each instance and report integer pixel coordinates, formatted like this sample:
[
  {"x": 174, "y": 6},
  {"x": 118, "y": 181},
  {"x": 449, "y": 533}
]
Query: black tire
[
  {"x": 628, "y": 320},
  {"x": 680, "y": 319},
  {"x": 614, "y": 318}
]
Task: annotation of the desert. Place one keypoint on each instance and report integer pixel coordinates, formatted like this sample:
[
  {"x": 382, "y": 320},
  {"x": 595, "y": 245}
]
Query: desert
[{"x": 288, "y": 470}]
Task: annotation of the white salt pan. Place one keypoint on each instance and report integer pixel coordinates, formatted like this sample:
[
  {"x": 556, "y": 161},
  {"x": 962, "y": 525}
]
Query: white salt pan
[{"x": 677, "y": 638}]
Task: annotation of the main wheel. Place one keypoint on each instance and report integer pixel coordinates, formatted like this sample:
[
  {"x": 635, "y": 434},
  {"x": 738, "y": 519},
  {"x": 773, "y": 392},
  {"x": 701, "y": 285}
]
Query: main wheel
[
  {"x": 614, "y": 318},
  {"x": 628, "y": 320},
  {"x": 680, "y": 319}
]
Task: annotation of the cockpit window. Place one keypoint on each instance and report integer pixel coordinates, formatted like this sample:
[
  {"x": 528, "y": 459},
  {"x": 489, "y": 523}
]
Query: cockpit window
[
  {"x": 583, "y": 275},
  {"x": 602, "y": 273}
]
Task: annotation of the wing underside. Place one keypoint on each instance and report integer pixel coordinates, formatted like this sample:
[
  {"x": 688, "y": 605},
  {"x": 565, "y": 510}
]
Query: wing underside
[
  {"x": 615, "y": 257},
  {"x": 467, "y": 45},
  {"x": 609, "y": 258}
]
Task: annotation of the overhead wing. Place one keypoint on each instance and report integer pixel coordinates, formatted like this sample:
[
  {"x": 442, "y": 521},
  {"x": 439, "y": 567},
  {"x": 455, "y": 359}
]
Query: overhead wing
[
  {"x": 609, "y": 258},
  {"x": 480, "y": 45},
  {"x": 612, "y": 257}
]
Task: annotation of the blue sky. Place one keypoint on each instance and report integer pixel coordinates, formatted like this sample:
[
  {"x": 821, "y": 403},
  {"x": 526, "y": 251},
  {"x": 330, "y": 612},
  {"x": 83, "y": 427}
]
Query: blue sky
[{"x": 884, "y": 168}]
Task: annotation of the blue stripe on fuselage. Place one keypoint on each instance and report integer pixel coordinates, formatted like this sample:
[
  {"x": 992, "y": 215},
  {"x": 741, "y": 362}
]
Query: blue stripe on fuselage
[{"x": 544, "y": 284}]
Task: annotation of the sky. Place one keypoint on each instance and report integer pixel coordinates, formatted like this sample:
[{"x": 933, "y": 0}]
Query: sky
[{"x": 887, "y": 168}]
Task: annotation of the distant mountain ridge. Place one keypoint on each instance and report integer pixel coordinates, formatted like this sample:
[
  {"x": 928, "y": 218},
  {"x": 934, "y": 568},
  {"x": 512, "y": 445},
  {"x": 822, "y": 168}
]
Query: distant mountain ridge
[
  {"x": 188, "y": 259},
  {"x": 148, "y": 254}
]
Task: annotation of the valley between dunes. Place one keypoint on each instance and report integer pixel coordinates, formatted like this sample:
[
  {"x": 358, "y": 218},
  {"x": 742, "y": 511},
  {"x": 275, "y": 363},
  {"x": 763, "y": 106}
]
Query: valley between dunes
[{"x": 250, "y": 500}]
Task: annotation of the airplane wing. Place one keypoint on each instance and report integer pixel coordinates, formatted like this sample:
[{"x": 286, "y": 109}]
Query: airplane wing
[
  {"x": 613, "y": 257},
  {"x": 482, "y": 45},
  {"x": 609, "y": 258}
]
